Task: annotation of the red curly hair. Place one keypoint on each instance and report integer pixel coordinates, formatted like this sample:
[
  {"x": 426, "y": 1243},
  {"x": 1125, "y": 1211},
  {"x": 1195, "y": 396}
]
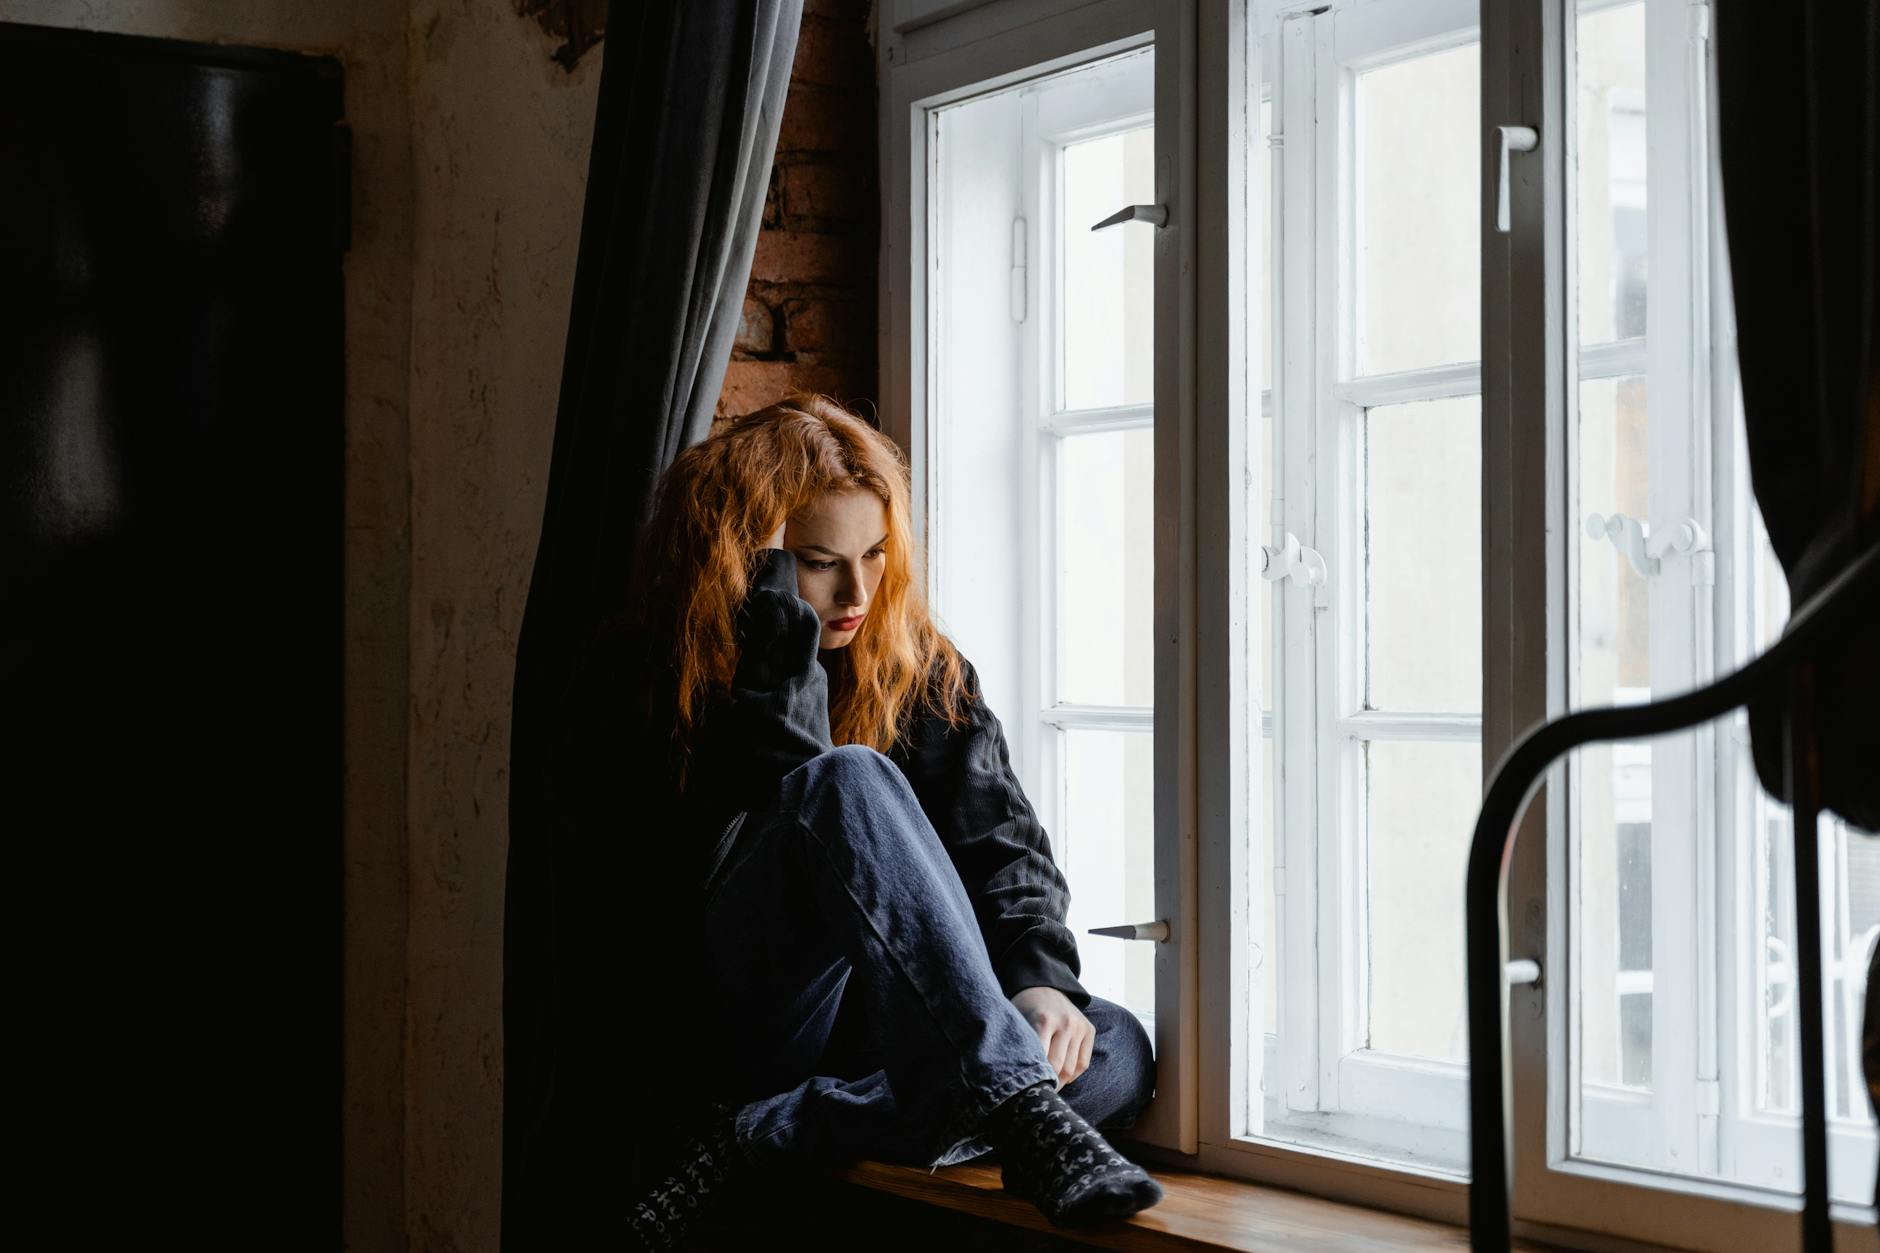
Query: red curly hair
[{"x": 714, "y": 510}]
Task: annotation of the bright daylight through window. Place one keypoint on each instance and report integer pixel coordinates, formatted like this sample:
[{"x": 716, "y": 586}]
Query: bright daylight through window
[{"x": 1046, "y": 356}]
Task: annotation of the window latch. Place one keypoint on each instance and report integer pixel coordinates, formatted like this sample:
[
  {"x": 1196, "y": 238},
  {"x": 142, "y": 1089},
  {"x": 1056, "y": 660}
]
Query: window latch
[
  {"x": 1513, "y": 139},
  {"x": 1292, "y": 560},
  {"x": 1153, "y": 214},
  {"x": 1645, "y": 548},
  {"x": 1157, "y": 931}
]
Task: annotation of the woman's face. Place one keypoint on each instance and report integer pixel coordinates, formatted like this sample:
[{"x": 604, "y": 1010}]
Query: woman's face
[{"x": 838, "y": 546}]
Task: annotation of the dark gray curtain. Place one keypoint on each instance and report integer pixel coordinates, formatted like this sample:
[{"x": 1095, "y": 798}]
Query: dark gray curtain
[
  {"x": 1799, "y": 125},
  {"x": 691, "y": 95},
  {"x": 1800, "y": 148}
]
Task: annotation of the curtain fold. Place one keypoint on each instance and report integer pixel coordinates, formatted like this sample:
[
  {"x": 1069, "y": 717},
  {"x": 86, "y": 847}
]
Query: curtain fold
[
  {"x": 690, "y": 101},
  {"x": 1799, "y": 144}
]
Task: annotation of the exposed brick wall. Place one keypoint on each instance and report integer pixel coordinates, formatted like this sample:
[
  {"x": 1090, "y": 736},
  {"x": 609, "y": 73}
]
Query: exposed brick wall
[{"x": 809, "y": 312}]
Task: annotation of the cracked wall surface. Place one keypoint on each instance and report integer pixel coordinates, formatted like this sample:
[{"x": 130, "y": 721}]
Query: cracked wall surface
[{"x": 500, "y": 138}]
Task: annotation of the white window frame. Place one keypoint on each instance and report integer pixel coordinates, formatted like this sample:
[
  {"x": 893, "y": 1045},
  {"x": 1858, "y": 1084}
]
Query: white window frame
[
  {"x": 1529, "y": 307},
  {"x": 936, "y": 51},
  {"x": 929, "y": 60},
  {"x": 1416, "y": 1107},
  {"x": 1056, "y": 115}
]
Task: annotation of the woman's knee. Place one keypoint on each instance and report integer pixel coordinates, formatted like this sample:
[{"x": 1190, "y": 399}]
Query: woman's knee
[
  {"x": 846, "y": 776},
  {"x": 857, "y": 798}
]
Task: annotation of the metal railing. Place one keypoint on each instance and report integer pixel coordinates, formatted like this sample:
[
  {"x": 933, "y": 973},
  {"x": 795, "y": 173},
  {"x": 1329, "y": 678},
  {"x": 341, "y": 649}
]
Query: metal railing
[{"x": 1784, "y": 669}]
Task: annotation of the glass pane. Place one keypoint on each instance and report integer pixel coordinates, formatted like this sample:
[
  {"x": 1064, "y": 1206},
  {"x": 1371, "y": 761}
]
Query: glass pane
[
  {"x": 1850, "y": 917},
  {"x": 1611, "y": 599},
  {"x": 1108, "y": 275},
  {"x": 1417, "y": 204},
  {"x": 1610, "y": 175},
  {"x": 1423, "y": 556},
  {"x": 1612, "y": 800},
  {"x": 1106, "y": 850},
  {"x": 1613, "y": 856},
  {"x": 1420, "y": 804},
  {"x": 1106, "y": 572}
]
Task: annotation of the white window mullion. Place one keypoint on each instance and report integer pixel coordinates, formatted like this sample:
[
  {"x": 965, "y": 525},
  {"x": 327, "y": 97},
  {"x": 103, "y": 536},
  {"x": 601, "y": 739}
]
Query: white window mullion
[
  {"x": 1680, "y": 871},
  {"x": 1041, "y": 745},
  {"x": 1342, "y": 931},
  {"x": 1296, "y": 701}
]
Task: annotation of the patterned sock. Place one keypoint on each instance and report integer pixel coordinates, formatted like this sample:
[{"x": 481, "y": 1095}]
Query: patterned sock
[
  {"x": 1061, "y": 1163},
  {"x": 709, "y": 1160}
]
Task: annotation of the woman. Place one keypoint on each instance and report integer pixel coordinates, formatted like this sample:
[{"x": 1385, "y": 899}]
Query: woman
[{"x": 879, "y": 952}]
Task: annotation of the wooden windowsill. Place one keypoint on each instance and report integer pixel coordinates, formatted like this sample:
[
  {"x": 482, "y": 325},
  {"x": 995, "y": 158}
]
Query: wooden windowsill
[{"x": 1196, "y": 1212}]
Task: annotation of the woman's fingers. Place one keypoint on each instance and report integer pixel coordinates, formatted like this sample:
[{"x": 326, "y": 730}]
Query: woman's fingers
[
  {"x": 1088, "y": 1045},
  {"x": 1057, "y": 1051}
]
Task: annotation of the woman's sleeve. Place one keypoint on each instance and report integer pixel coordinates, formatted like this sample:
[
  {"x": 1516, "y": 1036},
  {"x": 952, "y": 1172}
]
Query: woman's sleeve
[
  {"x": 964, "y": 780},
  {"x": 775, "y": 716}
]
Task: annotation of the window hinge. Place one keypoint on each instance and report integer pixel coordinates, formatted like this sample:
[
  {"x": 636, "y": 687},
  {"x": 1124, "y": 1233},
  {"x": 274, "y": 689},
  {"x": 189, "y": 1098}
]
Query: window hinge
[
  {"x": 1018, "y": 269},
  {"x": 1704, "y": 568},
  {"x": 1709, "y": 1098}
]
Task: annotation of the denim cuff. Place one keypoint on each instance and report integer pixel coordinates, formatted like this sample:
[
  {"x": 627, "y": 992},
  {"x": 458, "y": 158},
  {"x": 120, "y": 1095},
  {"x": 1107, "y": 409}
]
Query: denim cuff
[{"x": 961, "y": 1134}]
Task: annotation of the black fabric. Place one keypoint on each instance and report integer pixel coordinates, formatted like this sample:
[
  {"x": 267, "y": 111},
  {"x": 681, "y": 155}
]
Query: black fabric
[
  {"x": 172, "y": 658},
  {"x": 632, "y": 860},
  {"x": 691, "y": 96},
  {"x": 608, "y": 770},
  {"x": 1799, "y": 138}
]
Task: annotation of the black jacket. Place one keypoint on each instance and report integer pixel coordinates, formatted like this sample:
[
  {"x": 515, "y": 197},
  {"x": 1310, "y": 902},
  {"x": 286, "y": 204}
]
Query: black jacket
[
  {"x": 632, "y": 1054},
  {"x": 776, "y": 717}
]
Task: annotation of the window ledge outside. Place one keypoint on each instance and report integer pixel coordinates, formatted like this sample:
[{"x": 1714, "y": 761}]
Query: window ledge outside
[{"x": 1196, "y": 1212}]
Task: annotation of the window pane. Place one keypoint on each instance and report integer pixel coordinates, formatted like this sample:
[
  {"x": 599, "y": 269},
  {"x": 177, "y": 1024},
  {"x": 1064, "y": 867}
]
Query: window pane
[
  {"x": 1417, "y": 198},
  {"x": 1612, "y": 797},
  {"x": 1850, "y": 918},
  {"x": 1420, "y": 804},
  {"x": 1423, "y": 556},
  {"x": 1106, "y": 584},
  {"x": 1610, "y": 177},
  {"x": 1107, "y": 855},
  {"x": 1108, "y": 275},
  {"x": 1612, "y": 600},
  {"x": 1614, "y": 966}
]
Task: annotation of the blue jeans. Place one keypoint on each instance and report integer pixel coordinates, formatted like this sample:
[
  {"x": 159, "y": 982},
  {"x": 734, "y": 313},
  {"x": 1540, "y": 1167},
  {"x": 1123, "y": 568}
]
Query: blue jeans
[{"x": 843, "y": 890}]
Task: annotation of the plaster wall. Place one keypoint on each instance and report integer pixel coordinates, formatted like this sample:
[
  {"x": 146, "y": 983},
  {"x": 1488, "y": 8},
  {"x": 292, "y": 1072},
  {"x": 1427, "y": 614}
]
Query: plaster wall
[{"x": 500, "y": 137}]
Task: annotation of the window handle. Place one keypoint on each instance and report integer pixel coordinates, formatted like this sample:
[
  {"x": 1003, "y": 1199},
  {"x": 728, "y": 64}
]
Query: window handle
[
  {"x": 1513, "y": 139},
  {"x": 1646, "y": 547},
  {"x": 1157, "y": 931},
  {"x": 1294, "y": 561},
  {"x": 1153, "y": 214}
]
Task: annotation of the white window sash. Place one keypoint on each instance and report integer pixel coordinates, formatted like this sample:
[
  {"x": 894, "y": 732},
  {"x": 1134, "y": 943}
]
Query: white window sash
[{"x": 925, "y": 65}]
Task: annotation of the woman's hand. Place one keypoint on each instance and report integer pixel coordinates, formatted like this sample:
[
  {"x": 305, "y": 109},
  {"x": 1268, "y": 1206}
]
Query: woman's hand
[
  {"x": 1066, "y": 1034},
  {"x": 776, "y": 541}
]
